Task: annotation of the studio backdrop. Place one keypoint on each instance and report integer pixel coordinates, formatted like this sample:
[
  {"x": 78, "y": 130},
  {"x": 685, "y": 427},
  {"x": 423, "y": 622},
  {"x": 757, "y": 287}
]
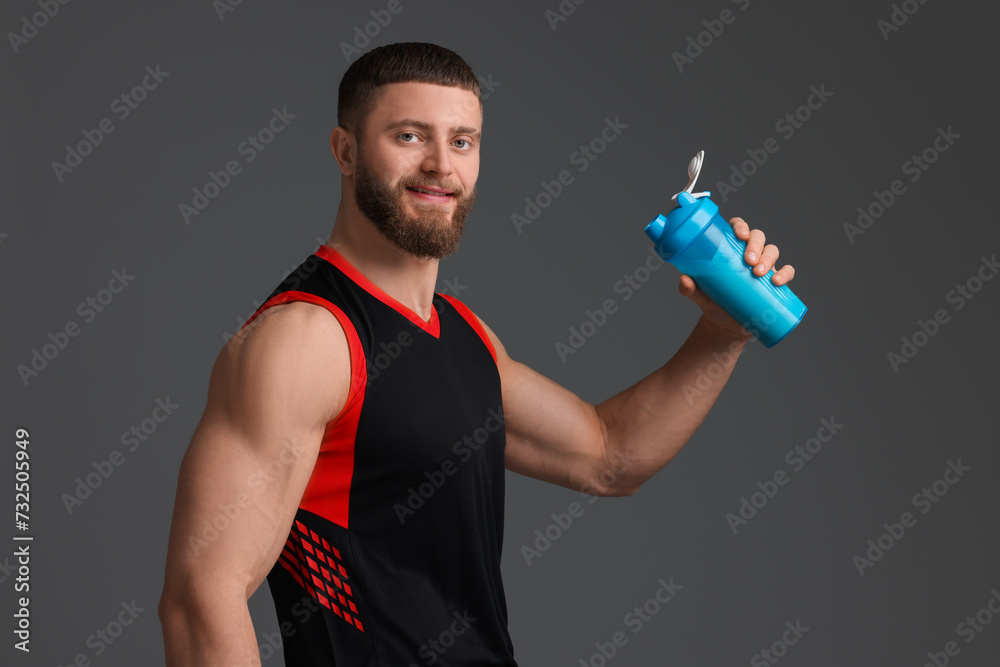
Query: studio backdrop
[{"x": 165, "y": 165}]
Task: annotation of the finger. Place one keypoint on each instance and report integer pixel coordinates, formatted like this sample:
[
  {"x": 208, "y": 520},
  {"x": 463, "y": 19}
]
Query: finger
[
  {"x": 767, "y": 259},
  {"x": 754, "y": 246},
  {"x": 689, "y": 289},
  {"x": 781, "y": 277},
  {"x": 740, "y": 227},
  {"x": 687, "y": 286}
]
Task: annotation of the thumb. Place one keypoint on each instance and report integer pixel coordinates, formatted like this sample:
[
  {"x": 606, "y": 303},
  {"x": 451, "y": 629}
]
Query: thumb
[{"x": 688, "y": 288}]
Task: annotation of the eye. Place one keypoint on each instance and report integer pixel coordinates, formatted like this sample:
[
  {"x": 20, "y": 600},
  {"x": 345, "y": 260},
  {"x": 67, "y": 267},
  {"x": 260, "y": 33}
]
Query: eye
[
  {"x": 407, "y": 134},
  {"x": 468, "y": 144}
]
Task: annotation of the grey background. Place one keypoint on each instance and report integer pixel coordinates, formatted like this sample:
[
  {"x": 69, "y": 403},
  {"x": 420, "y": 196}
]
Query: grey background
[{"x": 194, "y": 282}]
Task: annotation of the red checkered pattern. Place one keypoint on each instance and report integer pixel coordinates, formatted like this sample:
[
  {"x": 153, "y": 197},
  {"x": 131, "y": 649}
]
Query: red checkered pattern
[{"x": 316, "y": 566}]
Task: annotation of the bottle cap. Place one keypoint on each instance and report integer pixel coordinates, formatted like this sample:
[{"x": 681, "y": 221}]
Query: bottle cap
[{"x": 675, "y": 231}]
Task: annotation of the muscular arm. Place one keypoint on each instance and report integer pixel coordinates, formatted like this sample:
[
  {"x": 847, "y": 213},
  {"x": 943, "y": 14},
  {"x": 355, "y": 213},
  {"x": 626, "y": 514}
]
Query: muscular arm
[
  {"x": 272, "y": 391},
  {"x": 612, "y": 448}
]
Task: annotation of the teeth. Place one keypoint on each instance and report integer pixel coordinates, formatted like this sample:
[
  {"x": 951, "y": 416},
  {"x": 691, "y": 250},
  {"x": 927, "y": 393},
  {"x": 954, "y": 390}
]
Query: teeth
[{"x": 439, "y": 194}]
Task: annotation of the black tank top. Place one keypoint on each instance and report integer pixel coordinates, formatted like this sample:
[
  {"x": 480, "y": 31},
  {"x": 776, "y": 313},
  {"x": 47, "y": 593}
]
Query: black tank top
[{"x": 393, "y": 558}]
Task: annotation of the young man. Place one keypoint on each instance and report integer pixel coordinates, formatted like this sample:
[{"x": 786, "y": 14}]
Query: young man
[{"x": 353, "y": 447}]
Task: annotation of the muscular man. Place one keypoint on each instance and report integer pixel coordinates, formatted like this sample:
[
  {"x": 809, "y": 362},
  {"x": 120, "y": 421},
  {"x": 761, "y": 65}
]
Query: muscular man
[{"x": 353, "y": 447}]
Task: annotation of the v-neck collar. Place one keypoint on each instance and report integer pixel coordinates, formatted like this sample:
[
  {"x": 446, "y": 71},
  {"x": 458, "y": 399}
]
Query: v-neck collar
[{"x": 433, "y": 327}]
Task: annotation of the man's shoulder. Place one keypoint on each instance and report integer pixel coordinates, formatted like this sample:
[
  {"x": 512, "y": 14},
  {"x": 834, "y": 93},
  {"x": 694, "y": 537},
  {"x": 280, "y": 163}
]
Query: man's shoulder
[
  {"x": 293, "y": 351},
  {"x": 299, "y": 320}
]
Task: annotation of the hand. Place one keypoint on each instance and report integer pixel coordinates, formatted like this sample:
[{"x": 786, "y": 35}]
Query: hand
[{"x": 761, "y": 257}]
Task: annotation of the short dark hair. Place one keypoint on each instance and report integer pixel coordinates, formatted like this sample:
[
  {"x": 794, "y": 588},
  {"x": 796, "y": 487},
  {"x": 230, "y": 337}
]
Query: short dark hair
[{"x": 397, "y": 63}]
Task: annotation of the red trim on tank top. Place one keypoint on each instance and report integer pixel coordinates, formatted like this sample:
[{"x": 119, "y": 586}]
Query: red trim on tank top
[
  {"x": 433, "y": 327},
  {"x": 328, "y": 492},
  {"x": 473, "y": 321}
]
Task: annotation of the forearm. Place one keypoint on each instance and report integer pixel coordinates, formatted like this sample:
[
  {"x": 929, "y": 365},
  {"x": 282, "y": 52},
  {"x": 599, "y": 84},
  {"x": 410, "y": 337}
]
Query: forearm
[
  {"x": 208, "y": 630},
  {"x": 647, "y": 424}
]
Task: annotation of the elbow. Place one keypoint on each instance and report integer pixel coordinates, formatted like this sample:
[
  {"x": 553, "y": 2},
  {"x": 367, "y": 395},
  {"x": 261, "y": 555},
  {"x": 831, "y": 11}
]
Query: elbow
[
  {"x": 617, "y": 471},
  {"x": 169, "y": 608},
  {"x": 205, "y": 619},
  {"x": 185, "y": 601},
  {"x": 193, "y": 623},
  {"x": 612, "y": 480},
  {"x": 622, "y": 491},
  {"x": 172, "y": 610},
  {"x": 625, "y": 486},
  {"x": 173, "y": 625},
  {"x": 618, "y": 490}
]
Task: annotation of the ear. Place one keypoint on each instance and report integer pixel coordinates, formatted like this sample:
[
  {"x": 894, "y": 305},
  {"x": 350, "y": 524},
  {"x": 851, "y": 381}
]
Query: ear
[{"x": 345, "y": 149}]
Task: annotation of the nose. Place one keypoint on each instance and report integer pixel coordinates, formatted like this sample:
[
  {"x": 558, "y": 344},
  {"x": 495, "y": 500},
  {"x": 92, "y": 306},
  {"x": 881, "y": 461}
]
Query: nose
[{"x": 437, "y": 159}]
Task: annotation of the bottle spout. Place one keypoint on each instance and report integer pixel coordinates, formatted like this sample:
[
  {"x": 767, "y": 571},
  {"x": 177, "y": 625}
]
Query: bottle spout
[{"x": 655, "y": 229}]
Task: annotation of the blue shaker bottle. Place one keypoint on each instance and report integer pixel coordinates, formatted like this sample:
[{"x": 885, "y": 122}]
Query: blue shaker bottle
[{"x": 695, "y": 238}]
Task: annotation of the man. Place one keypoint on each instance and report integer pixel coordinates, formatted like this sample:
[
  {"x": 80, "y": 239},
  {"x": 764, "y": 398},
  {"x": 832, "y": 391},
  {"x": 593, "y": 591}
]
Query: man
[{"x": 353, "y": 447}]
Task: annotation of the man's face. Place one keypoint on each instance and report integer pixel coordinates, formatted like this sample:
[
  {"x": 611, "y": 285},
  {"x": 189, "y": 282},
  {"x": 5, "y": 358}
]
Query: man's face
[{"x": 418, "y": 137}]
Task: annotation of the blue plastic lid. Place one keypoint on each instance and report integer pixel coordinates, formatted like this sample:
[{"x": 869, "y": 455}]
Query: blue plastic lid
[{"x": 675, "y": 231}]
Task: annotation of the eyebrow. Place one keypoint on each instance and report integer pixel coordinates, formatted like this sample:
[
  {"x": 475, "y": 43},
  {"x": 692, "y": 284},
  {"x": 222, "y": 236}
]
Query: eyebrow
[{"x": 427, "y": 127}]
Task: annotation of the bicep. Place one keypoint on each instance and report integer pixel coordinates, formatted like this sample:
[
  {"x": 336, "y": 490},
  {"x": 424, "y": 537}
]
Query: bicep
[{"x": 251, "y": 456}]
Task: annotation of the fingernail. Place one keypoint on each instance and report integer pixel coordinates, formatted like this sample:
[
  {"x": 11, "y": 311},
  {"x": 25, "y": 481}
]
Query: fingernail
[{"x": 752, "y": 256}]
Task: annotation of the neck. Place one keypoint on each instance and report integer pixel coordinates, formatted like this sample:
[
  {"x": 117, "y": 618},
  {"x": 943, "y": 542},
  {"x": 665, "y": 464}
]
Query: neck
[{"x": 408, "y": 279}]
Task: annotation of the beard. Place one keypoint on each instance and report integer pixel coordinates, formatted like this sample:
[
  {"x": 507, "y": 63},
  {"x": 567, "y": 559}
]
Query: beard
[{"x": 433, "y": 233}]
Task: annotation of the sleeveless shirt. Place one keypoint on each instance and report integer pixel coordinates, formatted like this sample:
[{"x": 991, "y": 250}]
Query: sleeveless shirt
[{"x": 393, "y": 558}]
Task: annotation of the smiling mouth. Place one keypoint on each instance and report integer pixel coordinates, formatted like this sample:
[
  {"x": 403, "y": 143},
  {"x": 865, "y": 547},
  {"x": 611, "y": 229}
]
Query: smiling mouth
[
  {"x": 431, "y": 197},
  {"x": 433, "y": 193}
]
